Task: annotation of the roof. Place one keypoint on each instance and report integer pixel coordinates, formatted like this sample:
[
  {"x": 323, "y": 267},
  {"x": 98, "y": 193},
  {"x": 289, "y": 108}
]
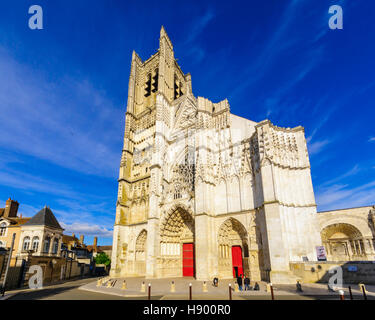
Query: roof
[
  {"x": 15, "y": 222},
  {"x": 361, "y": 207},
  {"x": 44, "y": 217},
  {"x": 67, "y": 238},
  {"x": 99, "y": 248},
  {"x": 18, "y": 221}
]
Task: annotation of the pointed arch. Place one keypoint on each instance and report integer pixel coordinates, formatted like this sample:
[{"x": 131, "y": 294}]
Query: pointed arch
[
  {"x": 232, "y": 234},
  {"x": 176, "y": 230},
  {"x": 140, "y": 252}
]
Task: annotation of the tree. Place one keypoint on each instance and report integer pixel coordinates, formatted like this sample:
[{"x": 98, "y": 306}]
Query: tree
[{"x": 102, "y": 258}]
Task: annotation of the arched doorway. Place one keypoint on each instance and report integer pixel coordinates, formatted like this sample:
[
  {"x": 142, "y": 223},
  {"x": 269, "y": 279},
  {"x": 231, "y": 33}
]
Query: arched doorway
[
  {"x": 343, "y": 242},
  {"x": 177, "y": 244},
  {"x": 140, "y": 253},
  {"x": 233, "y": 249}
]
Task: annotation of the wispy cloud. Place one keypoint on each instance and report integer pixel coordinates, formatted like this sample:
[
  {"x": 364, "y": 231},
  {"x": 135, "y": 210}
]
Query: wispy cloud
[
  {"x": 193, "y": 50},
  {"x": 317, "y": 146},
  {"x": 279, "y": 44},
  {"x": 341, "y": 196},
  {"x": 87, "y": 229},
  {"x": 350, "y": 173},
  {"x": 372, "y": 139},
  {"x": 199, "y": 25},
  {"x": 32, "y": 183},
  {"x": 67, "y": 122}
]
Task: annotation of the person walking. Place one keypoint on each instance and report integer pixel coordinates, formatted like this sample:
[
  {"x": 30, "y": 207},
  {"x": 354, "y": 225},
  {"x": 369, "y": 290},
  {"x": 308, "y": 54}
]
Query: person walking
[
  {"x": 215, "y": 282},
  {"x": 239, "y": 282},
  {"x": 247, "y": 283}
]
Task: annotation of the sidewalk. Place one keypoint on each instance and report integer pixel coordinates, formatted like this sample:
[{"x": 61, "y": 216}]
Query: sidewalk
[
  {"x": 162, "y": 287},
  {"x": 13, "y": 292}
]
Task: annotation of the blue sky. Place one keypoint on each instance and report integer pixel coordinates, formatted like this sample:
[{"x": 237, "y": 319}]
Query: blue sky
[{"x": 63, "y": 92}]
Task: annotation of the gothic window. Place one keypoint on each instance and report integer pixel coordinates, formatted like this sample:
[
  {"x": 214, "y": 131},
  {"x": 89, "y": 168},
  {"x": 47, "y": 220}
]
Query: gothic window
[
  {"x": 35, "y": 244},
  {"x": 140, "y": 245},
  {"x": 148, "y": 85},
  {"x": 26, "y": 244},
  {"x": 155, "y": 80},
  {"x": 177, "y": 191},
  {"x": 3, "y": 229},
  {"x": 180, "y": 90},
  {"x": 183, "y": 178},
  {"x": 176, "y": 87}
]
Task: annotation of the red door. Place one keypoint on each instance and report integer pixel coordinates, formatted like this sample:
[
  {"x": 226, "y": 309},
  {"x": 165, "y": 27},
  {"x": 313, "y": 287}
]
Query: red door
[
  {"x": 188, "y": 260},
  {"x": 237, "y": 261}
]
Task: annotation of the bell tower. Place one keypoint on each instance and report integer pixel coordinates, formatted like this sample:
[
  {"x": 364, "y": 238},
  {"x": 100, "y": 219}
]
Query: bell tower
[{"x": 159, "y": 75}]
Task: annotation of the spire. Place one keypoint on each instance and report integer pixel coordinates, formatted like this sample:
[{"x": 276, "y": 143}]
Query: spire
[
  {"x": 164, "y": 35},
  {"x": 163, "y": 32}
]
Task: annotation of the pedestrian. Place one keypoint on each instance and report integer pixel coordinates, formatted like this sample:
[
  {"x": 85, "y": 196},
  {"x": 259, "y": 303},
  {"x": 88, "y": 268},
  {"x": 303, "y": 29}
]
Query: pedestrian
[
  {"x": 299, "y": 287},
  {"x": 239, "y": 282},
  {"x": 256, "y": 286},
  {"x": 215, "y": 282},
  {"x": 247, "y": 283}
]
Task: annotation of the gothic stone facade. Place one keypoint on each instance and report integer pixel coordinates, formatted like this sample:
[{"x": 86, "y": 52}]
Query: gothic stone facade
[{"x": 204, "y": 192}]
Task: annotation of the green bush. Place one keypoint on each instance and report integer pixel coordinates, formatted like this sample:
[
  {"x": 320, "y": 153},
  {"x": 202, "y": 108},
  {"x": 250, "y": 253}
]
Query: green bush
[{"x": 102, "y": 258}]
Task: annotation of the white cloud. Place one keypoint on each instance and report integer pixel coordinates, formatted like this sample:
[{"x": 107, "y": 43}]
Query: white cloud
[
  {"x": 372, "y": 139},
  {"x": 353, "y": 171},
  {"x": 32, "y": 183},
  {"x": 341, "y": 196},
  {"x": 87, "y": 230},
  {"x": 199, "y": 25},
  {"x": 316, "y": 147},
  {"x": 192, "y": 50},
  {"x": 66, "y": 121}
]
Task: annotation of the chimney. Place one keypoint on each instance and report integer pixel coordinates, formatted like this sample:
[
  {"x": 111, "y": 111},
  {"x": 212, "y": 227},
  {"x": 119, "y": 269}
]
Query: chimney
[
  {"x": 11, "y": 208},
  {"x": 95, "y": 243},
  {"x": 81, "y": 238}
]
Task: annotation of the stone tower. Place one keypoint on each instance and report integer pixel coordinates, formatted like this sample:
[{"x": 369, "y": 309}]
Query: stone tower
[{"x": 203, "y": 192}]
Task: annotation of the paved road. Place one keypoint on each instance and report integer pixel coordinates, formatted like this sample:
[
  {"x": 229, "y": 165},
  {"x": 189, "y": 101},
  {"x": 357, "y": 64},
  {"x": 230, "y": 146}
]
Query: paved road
[
  {"x": 70, "y": 291},
  {"x": 66, "y": 291}
]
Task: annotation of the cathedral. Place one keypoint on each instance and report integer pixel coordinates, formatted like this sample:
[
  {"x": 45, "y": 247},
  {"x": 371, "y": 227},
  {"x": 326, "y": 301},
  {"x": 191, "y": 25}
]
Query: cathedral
[{"x": 204, "y": 193}]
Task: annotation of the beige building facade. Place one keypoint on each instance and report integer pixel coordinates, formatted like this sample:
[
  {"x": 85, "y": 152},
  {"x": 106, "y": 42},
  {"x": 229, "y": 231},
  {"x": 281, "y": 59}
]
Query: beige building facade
[
  {"x": 203, "y": 192},
  {"x": 348, "y": 234}
]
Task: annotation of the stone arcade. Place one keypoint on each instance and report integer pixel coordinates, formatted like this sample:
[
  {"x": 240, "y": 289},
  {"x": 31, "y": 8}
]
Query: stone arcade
[{"x": 203, "y": 192}]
